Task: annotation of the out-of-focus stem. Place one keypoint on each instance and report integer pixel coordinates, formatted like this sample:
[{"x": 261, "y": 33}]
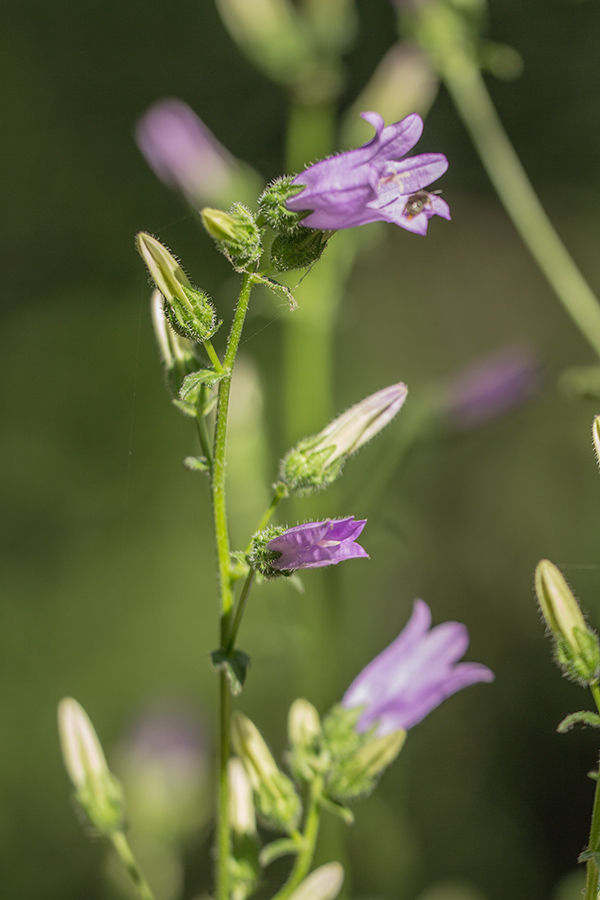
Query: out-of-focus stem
[
  {"x": 121, "y": 845},
  {"x": 469, "y": 93}
]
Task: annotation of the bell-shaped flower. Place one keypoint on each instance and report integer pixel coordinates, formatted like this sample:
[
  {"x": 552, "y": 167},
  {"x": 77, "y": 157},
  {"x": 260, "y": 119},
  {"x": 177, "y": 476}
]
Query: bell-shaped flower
[
  {"x": 414, "y": 674},
  {"x": 316, "y": 544},
  {"x": 373, "y": 183}
]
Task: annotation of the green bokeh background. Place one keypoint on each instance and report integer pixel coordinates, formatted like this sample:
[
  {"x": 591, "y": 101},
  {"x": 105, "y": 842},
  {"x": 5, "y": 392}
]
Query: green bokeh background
[{"x": 107, "y": 567}]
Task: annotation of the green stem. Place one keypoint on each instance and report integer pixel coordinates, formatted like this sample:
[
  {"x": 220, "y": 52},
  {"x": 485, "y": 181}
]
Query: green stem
[
  {"x": 224, "y": 580},
  {"x": 239, "y": 612},
  {"x": 309, "y": 839},
  {"x": 469, "y": 93},
  {"x": 212, "y": 355},
  {"x": 121, "y": 845},
  {"x": 592, "y": 872}
]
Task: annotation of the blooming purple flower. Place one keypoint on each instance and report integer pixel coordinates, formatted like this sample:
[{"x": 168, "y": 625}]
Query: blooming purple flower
[
  {"x": 491, "y": 387},
  {"x": 316, "y": 544},
  {"x": 414, "y": 674},
  {"x": 372, "y": 183},
  {"x": 183, "y": 152}
]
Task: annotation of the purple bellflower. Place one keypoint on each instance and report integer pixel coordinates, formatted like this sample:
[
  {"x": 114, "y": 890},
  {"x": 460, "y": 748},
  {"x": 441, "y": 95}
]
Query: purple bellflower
[
  {"x": 373, "y": 183},
  {"x": 316, "y": 544},
  {"x": 414, "y": 674},
  {"x": 183, "y": 152}
]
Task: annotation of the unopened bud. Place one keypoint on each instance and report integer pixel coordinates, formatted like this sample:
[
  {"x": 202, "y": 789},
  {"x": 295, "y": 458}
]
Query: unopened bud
[
  {"x": 304, "y": 724},
  {"x": 316, "y": 461},
  {"x": 241, "y": 803},
  {"x": 324, "y": 883},
  {"x": 189, "y": 311},
  {"x": 576, "y": 645},
  {"x": 298, "y": 250},
  {"x": 96, "y": 789},
  {"x": 276, "y": 798},
  {"x": 379, "y": 753},
  {"x": 235, "y": 232},
  {"x": 272, "y": 207},
  {"x": 177, "y": 353}
]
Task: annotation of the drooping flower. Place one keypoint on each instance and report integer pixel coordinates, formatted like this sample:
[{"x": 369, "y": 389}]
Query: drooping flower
[
  {"x": 414, "y": 674},
  {"x": 183, "y": 152},
  {"x": 372, "y": 183},
  {"x": 315, "y": 544}
]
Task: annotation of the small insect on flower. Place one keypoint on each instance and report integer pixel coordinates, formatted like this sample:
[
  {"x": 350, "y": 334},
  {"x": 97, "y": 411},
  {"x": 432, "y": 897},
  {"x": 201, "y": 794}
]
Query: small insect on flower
[{"x": 417, "y": 202}]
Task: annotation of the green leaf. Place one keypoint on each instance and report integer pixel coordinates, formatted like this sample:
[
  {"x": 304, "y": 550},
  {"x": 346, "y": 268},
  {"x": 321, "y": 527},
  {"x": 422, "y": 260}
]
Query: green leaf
[
  {"x": 589, "y": 854},
  {"x": 235, "y": 665},
  {"x": 196, "y": 464},
  {"x": 342, "y": 812},
  {"x": 583, "y": 717},
  {"x": 192, "y": 383}
]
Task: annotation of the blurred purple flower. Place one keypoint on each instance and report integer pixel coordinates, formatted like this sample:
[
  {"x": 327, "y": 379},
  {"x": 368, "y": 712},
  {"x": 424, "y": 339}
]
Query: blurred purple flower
[
  {"x": 490, "y": 387},
  {"x": 183, "y": 152},
  {"x": 372, "y": 183},
  {"x": 414, "y": 674},
  {"x": 316, "y": 544}
]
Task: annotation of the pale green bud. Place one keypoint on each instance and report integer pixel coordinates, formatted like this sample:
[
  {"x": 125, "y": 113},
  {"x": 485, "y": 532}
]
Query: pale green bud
[
  {"x": 316, "y": 461},
  {"x": 559, "y": 607},
  {"x": 241, "y": 802},
  {"x": 177, "y": 353},
  {"x": 596, "y": 438},
  {"x": 272, "y": 35},
  {"x": 235, "y": 232},
  {"x": 379, "y": 753},
  {"x": 576, "y": 645},
  {"x": 189, "y": 311},
  {"x": 275, "y": 795},
  {"x": 304, "y": 724},
  {"x": 96, "y": 789},
  {"x": 324, "y": 883}
]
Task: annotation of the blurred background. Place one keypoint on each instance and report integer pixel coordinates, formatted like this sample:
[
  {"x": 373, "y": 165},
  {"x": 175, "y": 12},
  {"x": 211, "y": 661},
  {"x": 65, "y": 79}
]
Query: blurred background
[{"x": 107, "y": 567}]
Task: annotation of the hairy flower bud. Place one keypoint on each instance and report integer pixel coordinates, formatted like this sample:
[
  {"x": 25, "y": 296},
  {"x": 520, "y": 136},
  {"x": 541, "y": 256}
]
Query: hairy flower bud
[
  {"x": 276, "y": 799},
  {"x": 235, "y": 232},
  {"x": 189, "y": 311},
  {"x": 596, "y": 438},
  {"x": 316, "y": 461},
  {"x": 96, "y": 789},
  {"x": 576, "y": 646}
]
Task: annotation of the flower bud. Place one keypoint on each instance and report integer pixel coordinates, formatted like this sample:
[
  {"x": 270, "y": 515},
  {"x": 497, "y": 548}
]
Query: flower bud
[
  {"x": 272, "y": 207},
  {"x": 324, "y": 883},
  {"x": 576, "y": 645},
  {"x": 235, "y": 233},
  {"x": 188, "y": 310},
  {"x": 316, "y": 461},
  {"x": 241, "y": 804},
  {"x": 304, "y": 724},
  {"x": 270, "y": 33},
  {"x": 177, "y": 353},
  {"x": 379, "y": 753},
  {"x": 276, "y": 799},
  {"x": 298, "y": 250},
  {"x": 96, "y": 789}
]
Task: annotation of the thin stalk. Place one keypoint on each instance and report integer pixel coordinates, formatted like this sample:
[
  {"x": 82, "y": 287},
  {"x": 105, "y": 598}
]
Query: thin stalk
[
  {"x": 224, "y": 580},
  {"x": 279, "y": 494},
  {"x": 309, "y": 839},
  {"x": 469, "y": 93},
  {"x": 212, "y": 355},
  {"x": 121, "y": 845},
  {"x": 592, "y": 872},
  {"x": 239, "y": 612}
]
